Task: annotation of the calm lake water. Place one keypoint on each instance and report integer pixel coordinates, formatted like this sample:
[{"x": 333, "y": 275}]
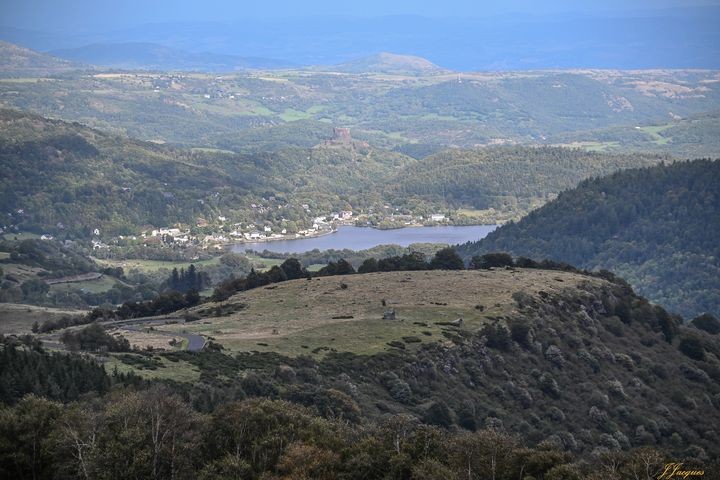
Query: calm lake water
[{"x": 359, "y": 238}]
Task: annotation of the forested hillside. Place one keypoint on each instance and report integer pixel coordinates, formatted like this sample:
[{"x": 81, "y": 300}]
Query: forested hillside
[
  {"x": 64, "y": 178},
  {"x": 505, "y": 178},
  {"x": 657, "y": 227},
  {"x": 556, "y": 374}
]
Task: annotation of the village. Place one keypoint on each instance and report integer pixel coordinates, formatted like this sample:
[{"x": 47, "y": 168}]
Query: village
[{"x": 238, "y": 233}]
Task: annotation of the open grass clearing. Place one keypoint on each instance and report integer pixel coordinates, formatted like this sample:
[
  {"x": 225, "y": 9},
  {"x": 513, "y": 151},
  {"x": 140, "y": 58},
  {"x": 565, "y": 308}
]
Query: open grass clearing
[
  {"x": 18, "y": 319},
  {"x": 345, "y": 313}
]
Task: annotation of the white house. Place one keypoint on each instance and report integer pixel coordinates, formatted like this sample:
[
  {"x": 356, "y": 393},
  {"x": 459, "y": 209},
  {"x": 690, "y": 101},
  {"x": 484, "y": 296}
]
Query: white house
[{"x": 437, "y": 217}]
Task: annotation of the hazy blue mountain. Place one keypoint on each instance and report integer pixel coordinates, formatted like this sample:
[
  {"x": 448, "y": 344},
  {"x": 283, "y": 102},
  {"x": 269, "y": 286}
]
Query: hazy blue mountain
[
  {"x": 142, "y": 55},
  {"x": 660, "y": 38}
]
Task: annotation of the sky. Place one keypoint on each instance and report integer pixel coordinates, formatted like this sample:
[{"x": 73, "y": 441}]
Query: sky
[
  {"x": 57, "y": 15},
  {"x": 457, "y": 34}
]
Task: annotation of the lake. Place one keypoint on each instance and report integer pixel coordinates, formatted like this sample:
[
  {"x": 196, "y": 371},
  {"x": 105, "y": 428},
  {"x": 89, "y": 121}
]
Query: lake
[{"x": 361, "y": 238}]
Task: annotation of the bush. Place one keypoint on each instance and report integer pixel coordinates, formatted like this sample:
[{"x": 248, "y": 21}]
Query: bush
[
  {"x": 692, "y": 347},
  {"x": 368, "y": 266},
  {"x": 447, "y": 259},
  {"x": 707, "y": 323},
  {"x": 549, "y": 385},
  {"x": 492, "y": 260},
  {"x": 398, "y": 389},
  {"x": 498, "y": 337},
  {"x": 94, "y": 338},
  {"x": 520, "y": 332}
]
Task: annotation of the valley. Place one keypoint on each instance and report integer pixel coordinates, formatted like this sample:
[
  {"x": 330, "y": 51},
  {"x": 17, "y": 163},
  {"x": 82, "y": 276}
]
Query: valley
[{"x": 353, "y": 264}]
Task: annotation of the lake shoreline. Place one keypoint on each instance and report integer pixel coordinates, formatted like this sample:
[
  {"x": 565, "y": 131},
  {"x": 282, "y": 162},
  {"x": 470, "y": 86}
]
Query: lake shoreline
[{"x": 365, "y": 237}]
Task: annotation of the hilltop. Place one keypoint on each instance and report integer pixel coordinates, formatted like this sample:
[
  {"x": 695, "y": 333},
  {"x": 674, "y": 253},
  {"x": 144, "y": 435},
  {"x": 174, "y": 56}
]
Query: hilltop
[
  {"x": 19, "y": 61},
  {"x": 389, "y": 63},
  {"x": 571, "y": 359},
  {"x": 657, "y": 227}
]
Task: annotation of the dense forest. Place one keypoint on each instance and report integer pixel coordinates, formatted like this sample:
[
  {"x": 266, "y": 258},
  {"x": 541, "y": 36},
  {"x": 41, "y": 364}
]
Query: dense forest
[
  {"x": 657, "y": 227},
  {"x": 505, "y": 179}
]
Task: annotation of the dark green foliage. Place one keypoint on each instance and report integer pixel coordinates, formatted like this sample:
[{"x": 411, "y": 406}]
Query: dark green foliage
[
  {"x": 520, "y": 332},
  {"x": 707, "y": 323},
  {"x": 656, "y": 227},
  {"x": 341, "y": 267},
  {"x": 64, "y": 322},
  {"x": 409, "y": 261},
  {"x": 94, "y": 338},
  {"x": 293, "y": 269},
  {"x": 494, "y": 260},
  {"x": 498, "y": 336},
  {"x": 447, "y": 259},
  {"x": 692, "y": 347},
  {"x": 438, "y": 414},
  {"x": 54, "y": 375},
  {"x": 184, "y": 281},
  {"x": 368, "y": 266},
  {"x": 162, "y": 304}
]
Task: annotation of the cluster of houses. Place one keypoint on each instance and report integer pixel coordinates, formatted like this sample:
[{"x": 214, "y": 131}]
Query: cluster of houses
[{"x": 245, "y": 233}]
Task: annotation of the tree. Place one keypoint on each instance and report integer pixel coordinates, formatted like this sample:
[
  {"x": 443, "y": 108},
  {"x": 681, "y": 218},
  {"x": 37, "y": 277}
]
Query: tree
[
  {"x": 175, "y": 279},
  {"x": 192, "y": 297},
  {"x": 368, "y": 266},
  {"x": 692, "y": 347},
  {"x": 34, "y": 288},
  {"x": 707, "y": 323},
  {"x": 492, "y": 260},
  {"x": 293, "y": 269},
  {"x": 447, "y": 259},
  {"x": 344, "y": 267}
]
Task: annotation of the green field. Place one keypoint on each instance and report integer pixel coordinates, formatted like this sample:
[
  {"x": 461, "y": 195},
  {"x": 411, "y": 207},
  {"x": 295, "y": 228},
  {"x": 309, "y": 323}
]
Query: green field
[
  {"x": 179, "y": 371},
  {"x": 655, "y": 132},
  {"x": 102, "y": 284}
]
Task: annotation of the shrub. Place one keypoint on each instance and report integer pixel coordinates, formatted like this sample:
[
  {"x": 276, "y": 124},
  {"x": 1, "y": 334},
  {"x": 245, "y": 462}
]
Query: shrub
[
  {"x": 398, "y": 389},
  {"x": 548, "y": 385},
  {"x": 692, "y": 347},
  {"x": 597, "y": 415},
  {"x": 694, "y": 374},
  {"x": 707, "y": 323},
  {"x": 555, "y": 356},
  {"x": 520, "y": 332},
  {"x": 498, "y": 336},
  {"x": 492, "y": 260},
  {"x": 447, "y": 259},
  {"x": 368, "y": 266}
]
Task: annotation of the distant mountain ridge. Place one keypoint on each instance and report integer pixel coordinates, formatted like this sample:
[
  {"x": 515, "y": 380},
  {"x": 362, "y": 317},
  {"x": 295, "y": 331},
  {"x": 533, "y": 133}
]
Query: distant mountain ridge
[{"x": 153, "y": 56}]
